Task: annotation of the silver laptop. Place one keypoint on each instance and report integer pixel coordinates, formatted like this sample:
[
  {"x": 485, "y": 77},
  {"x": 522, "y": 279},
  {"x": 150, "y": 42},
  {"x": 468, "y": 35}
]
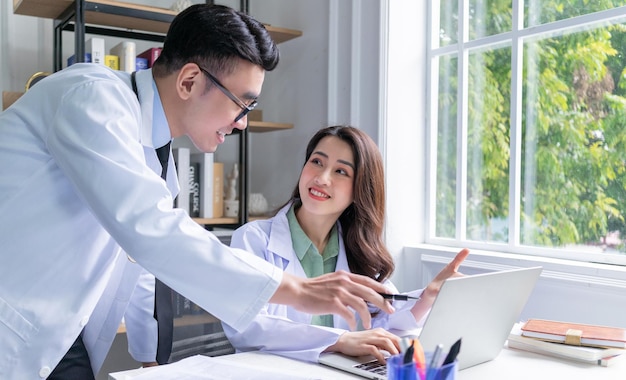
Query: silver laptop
[{"x": 481, "y": 309}]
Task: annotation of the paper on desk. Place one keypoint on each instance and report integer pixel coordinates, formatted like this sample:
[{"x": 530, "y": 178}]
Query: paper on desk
[{"x": 201, "y": 367}]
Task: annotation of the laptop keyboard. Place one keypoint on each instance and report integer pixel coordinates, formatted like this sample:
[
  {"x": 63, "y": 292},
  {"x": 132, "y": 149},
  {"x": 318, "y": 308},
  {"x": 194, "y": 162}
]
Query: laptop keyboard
[{"x": 374, "y": 367}]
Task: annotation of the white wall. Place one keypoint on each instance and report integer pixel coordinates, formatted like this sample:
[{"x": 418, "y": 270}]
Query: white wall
[{"x": 299, "y": 91}]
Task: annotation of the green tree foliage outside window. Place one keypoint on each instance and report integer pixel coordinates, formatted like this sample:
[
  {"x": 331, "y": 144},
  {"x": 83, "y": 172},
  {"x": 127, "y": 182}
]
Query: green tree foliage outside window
[{"x": 573, "y": 110}]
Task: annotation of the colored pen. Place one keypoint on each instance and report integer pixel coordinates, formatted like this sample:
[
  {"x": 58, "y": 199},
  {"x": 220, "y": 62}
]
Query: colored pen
[
  {"x": 453, "y": 353},
  {"x": 406, "y": 373},
  {"x": 408, "y": 355},
  {"x": 405, "y": 343},
  {"x": 433, "y": 366},
  {"x": 420, "y": 358},
  {"x": 398, "y": 297}
]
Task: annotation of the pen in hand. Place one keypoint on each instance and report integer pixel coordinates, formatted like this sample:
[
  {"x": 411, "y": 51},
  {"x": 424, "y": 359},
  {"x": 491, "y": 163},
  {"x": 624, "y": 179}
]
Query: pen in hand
[{"x": 398, "y": 297}]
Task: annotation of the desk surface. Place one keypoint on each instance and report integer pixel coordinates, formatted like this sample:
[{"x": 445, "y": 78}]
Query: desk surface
[{"x": 510, "y": 364}]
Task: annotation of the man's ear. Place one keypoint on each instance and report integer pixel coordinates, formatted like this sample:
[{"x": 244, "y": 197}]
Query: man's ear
[{"x": 188, "y": 80}]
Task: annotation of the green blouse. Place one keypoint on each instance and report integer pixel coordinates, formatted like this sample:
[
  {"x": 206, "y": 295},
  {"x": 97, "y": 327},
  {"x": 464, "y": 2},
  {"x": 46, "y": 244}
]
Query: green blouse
[{"x": 312, "y": 262}]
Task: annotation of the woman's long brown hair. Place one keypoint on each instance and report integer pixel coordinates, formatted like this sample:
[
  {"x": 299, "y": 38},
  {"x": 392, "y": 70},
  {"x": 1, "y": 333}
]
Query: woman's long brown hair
[{"x": 363, "y": 221}]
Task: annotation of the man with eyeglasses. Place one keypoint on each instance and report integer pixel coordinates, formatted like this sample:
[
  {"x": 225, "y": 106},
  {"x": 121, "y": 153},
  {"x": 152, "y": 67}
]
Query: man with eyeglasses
[{"x": 81, "y": 195}]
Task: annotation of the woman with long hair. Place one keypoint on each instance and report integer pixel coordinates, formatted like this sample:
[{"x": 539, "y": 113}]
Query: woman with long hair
[{"x": 334, "y": 221}]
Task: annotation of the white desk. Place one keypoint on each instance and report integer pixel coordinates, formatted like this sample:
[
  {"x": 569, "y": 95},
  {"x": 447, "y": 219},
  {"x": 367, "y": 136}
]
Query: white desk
[{"x": 510, "y": 365}]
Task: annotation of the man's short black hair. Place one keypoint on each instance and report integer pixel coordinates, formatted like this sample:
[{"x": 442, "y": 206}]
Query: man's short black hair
[{"x": 212, "y": 36}]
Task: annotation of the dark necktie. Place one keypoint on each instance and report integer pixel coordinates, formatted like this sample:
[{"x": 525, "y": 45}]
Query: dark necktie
[{"x": 163, "y": 307}]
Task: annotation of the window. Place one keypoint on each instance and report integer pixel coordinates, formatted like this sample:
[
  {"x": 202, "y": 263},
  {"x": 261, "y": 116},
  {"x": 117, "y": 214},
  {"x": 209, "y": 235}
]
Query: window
[{"x": 527, "y": 126}]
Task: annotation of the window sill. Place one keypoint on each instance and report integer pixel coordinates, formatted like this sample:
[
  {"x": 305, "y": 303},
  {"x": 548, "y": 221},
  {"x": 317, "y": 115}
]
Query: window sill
[{"x": 567, "y": 290}]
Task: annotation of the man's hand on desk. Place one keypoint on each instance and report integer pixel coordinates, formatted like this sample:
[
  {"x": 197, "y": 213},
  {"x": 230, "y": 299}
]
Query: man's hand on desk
[
  {"x": 339, "y": 293},
  {"x": 149, "y": 364}
]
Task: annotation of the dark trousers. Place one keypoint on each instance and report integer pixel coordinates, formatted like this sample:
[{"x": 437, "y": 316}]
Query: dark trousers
[{"x": 75, "y": 364}]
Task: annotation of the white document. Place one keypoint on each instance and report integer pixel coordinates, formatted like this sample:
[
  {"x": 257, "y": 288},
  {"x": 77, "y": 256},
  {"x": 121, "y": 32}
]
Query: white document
[{"x": 201, "y": 367}]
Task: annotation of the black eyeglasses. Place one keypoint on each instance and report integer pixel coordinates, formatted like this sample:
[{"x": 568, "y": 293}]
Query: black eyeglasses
[{"x": 244, "y": 108}]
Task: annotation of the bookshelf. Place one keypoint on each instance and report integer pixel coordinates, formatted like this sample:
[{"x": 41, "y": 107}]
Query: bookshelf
[{"x": 141, "y": 22}]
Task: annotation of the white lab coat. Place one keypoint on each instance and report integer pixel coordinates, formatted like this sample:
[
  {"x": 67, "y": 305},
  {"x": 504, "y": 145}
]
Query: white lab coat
[
  {"x": 283, "y": 330},
  {"x": 141, "y": 327},
  {"x": 77, "y": 186}
]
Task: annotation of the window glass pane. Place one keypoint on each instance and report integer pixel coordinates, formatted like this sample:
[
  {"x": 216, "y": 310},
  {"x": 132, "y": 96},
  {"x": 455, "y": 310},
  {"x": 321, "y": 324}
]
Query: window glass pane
[
  {"x": 490, "y": 17},
  {"x": 489, "y": 98},
  {"x": 574, "y": 141},
  {"x": 448, "y": 22},
  {"x": 544, "y": 11},
  {"x": 446, "y": 147}
]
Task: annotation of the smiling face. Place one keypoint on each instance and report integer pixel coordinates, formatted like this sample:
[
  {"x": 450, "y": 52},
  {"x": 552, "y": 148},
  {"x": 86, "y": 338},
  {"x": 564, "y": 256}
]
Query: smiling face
[
  {"x": 327, "y": 179},
  {"x": 207, "y": 117}
]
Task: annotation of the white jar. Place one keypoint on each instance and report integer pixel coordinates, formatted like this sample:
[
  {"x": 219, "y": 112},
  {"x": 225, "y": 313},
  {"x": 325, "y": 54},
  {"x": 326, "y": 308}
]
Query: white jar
[{"x": 257, "y": 204}]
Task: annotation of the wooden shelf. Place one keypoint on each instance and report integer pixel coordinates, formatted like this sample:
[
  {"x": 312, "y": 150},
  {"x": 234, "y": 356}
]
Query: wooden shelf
[
  {"x": 122, "y": 15},
  {"x": 280, "y": 35},
  {"x": 266, "y": 126},
  {"x": 102, "y": 12},
  {"x": 185, "y": 320},
  {"x": 209, "y": 221}
]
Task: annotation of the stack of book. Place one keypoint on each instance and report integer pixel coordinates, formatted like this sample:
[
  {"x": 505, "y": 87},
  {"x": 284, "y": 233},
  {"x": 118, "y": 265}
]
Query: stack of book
[{"x": 591, "y": 344}]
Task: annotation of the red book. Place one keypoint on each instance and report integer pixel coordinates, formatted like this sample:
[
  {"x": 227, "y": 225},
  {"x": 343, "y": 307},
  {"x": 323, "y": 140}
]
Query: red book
[
  {"x": 151, "y": 55},
  {"x": 575, "y": 333}
]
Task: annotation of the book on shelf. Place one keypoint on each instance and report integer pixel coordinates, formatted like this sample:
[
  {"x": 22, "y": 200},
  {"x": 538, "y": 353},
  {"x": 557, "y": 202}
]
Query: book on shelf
[
  {"x": 126, "y": 51},
  {"x": 575, "y": 333},
  {"x": 181, "y": 158},
  {"x": 72, "y": 59},
  {"x": 151, "y": 55},
  {"x": 205, "y": 161},
  {"x": 95, "y": 47},
  {"x": 593, "y": 355},
  {"x": 194, "y": 189},
  {"x": 218, "y": 189},
  {"x": 141, "y": 63},
  {"x": 112, "y": 61}
]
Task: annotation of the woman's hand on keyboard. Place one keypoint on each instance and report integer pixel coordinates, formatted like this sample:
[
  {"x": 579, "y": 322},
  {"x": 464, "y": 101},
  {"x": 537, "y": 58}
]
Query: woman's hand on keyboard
[{"x": 367, "y": 342}]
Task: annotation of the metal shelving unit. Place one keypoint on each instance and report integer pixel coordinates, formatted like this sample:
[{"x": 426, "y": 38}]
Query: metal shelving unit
[{"x": 140, "y": 22}]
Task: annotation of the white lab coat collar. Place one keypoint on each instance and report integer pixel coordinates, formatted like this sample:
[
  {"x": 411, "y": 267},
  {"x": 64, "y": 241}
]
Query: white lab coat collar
[
  {"x": 146, "y": 94},
  {"x": 282, "y": 247}
]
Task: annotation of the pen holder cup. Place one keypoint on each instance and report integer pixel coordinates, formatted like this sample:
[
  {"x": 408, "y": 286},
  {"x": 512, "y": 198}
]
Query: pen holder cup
[{"x": 396, "y": 370}]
